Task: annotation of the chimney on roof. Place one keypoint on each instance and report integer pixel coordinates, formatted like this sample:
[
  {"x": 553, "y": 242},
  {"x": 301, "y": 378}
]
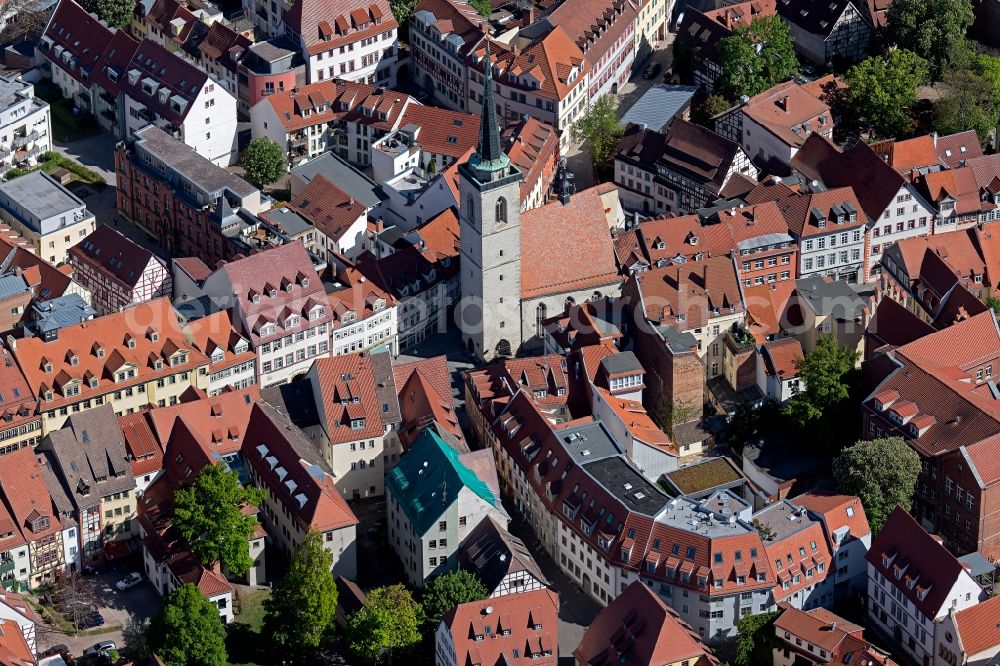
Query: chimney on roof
[
  {"x": 782, "y": 103},
  {"x": 529, "y": 16},
  {"x": 934, "y": 137}
]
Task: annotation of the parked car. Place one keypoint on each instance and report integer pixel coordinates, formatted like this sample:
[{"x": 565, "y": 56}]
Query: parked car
[
  {"x": 97, "y": 648},
  {"x": 129, "y": 581},
  {"x": 91, "y": 620},
  {"x": 59, "y": 648},
  {"x": 652, "y": 69}
]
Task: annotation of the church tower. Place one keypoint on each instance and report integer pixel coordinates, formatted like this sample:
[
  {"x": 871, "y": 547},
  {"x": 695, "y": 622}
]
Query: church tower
[{"x": 489, "y": 186}]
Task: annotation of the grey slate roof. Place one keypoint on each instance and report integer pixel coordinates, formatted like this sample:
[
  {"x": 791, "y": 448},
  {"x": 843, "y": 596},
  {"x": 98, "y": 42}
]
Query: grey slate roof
[
  {"x": 60, "y": 312},
  {"x": 89, "y": 450},
  {"x": 836, "y": 297},
  {"x": 12, "y": 284},
  {"x": 184, "y": 160},
  {"x": 492, "y": 552},
  {"x": 343, "y": 175},
  {"x": 385, "y": 387},
  {"x": 658, "y": 105},
  {"x": 621, "y": 362}
]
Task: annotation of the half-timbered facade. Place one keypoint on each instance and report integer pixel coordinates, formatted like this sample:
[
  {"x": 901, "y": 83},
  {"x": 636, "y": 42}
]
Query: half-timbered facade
[{"x": 117, "y": 272}]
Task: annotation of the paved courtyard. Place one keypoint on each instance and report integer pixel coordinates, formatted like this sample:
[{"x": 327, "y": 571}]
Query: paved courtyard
[{"x": 141, "y": 601}]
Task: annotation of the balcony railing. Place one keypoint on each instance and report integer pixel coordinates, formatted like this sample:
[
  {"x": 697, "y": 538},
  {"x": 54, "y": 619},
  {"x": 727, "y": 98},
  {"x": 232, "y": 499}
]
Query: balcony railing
[
  {"x": 297, "y": 140},
  {"x": 21, "y": 141},
  {"x": 6, "y": 566}
]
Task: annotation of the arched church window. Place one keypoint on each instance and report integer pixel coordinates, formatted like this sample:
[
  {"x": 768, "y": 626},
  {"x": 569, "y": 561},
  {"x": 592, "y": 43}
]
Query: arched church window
[
  {"x": 540, "y": 315},
  {"x": 501, "y": 215}
]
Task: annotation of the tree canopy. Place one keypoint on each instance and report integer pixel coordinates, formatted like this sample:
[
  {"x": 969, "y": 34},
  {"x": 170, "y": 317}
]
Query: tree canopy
[
  {"x": 969, "y": 103},
  {"x": 187, "y": 631},
  {"x": 449, "y": 590},
  {"x": 301, "y": 608},
  {"x": 757, "y": 56},
  {"x": 263, "y": 161},
  {"x": 116, "y": 13},
  {"x": 753, "y": 644},
  {"x": 933, "y": 29},
  {"x": 389, "y": 622},
  {"x": 882, "y": 472},
  {"x": 881, "y": 91},
  {"x": 824, "y": 372},
  {"x": 208, "y": 515},
  {"x": 601, "y": 128}
]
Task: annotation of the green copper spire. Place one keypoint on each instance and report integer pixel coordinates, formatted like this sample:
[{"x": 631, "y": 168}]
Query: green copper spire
[{"x": 489, "y": 156}]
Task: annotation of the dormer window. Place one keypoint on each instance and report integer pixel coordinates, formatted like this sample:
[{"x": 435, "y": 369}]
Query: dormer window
[
  {"x": 357, "y": 424},
  {"x": 93, "y": 382},
  {"x": 272, "y": 292},
  {"x": 158, "y": 364},
  {"x": 47, "y": 367},
  {"x": 255, "y": 298},
  {"x": 40, "y": 524},
  {"x": 305, "y": 282},
  {"x": 130, "y": 342},
  {"x": 74, "y": 360}
]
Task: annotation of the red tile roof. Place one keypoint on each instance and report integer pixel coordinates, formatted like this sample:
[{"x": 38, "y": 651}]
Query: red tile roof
[
  {"x": 799, "y": 548},
  {"x": 533, "y": 146},
  {"x": 108, "y": 252},
  {"x": 837, "y": 511},
  {"x": 385, "y": 107},
  {"x": 903, "y": 545},
  {"x": 442, "y": 131},
  {"x": 555, "y": 235},
  {"x": 305, "y": 490},
  {"x": 595, "y": 25},
  {"x": 164, "y": 12},
  {"x": 54, "y": 282},
  {"x": 955, "y": 149},
  {"x": 285, "y": 283},
  {"x": 25, "y": 494},
  {"x": 688, "y": 295},
  {"x": 114, "y": 60},
  {"x": 549, "y": 60},
  {"x": 798, "y": 209},
  {"x": 172, "y": 73},
  {"x": 782, "y": 358},
  {"x": 874, "y": 182},
  {"x": 908, "y": 154},
  {"x": 638, "y": 629},
  {"x": 347, "y": 393},
  {"x": 14, "y": 648},
  {"x": 78, "y": 40},
  {"x": 979, "y": 627},
  {"x": 766, "y": 307},
  {"x": 490, "y": 631},
  {"x": 101, "y": 348},
  {"x": 324, "y": 25},
  {"x": 216, "y": 332},
  {"x": 789, "y": 112},
  {"x": 958, "y": 184},
  {"x": 638, "y": 422},
  {"x": 985, "y": 455},
  {"x": 331, "y": 210}
]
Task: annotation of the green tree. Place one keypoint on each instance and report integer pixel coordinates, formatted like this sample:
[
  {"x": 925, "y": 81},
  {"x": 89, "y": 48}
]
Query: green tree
[
  {"x": 187, "y": 631},
  {"x": 263, "y": 161},
  {"x": 993, "y": 303},
  {"x": 432, "y": 167},
  {"x": 300, "y": 610},
  {"x": 882, "y": 472},
  {"x": 708, "y": 108},
  {"x": 825, "y": 373},
  {"x": 601, "y": 128},
  {"x": 969, "y": 103},
  {"x": 117, "y": 13},
  {"x": 482, "y": 7},
  {"x": 882, "y": 89},
  {"x": 756, "y": 57},
  {"x": 449, "y": 590},
  {"x": 208, "y": 515},
  {"x": 388, "y": 623},
  {"x": 933, "y": 29},
  {"x": 753, "y": 644},
  {"x": 402, "y": 10}
]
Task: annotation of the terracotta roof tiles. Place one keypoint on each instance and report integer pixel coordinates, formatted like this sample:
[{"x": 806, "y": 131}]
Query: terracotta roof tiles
[
  {"x": 554, "y": 235},
  {"x": 978, "y": 627},
  {"x": 489, "y": 631}
]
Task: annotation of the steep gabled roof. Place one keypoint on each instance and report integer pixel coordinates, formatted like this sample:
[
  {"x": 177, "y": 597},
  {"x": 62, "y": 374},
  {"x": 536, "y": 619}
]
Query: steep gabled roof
[
  {"x": 904, "y": 547},
  {"x": 653, "y": 634},
  {"x": 429, "y": 477},
  {"x": 78, "y": 39}
]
